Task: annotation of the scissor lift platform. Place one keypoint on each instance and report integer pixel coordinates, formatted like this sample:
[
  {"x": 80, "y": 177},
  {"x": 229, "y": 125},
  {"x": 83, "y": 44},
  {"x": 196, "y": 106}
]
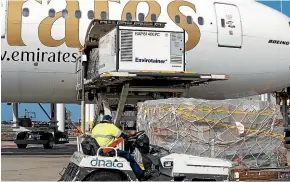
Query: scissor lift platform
[
  {"x": 120, "y": 61},
  {"x": 146, "y": 79},
  {"x": 154, "y": 85}
]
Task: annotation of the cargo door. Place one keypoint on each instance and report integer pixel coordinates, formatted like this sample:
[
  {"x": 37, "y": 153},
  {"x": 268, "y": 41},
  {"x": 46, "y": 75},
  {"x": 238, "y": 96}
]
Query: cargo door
[
  {"x": 4, "y": 18},
  {"x": 229, "y": 26}
]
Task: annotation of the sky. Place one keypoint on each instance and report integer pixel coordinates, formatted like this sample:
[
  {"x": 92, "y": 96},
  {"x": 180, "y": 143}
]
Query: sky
[
  {"x": 277, "y": 5},
  {"x": 6, "y": 110}
]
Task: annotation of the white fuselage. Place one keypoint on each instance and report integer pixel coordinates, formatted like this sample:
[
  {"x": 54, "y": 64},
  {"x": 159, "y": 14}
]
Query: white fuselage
[{"x": 241, "y": 38}]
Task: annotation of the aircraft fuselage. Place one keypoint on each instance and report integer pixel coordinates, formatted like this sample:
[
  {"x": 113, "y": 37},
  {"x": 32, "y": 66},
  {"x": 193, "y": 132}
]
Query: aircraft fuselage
[{"x": 243, "y": 39}]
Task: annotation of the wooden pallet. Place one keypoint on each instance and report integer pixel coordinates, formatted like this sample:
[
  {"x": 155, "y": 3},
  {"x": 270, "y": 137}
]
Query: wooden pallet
[{"x": 264, "y": 174}]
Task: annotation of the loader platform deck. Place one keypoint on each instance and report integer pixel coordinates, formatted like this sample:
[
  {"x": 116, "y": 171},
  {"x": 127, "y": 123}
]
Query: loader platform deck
[{"x": 147, "y": 79}]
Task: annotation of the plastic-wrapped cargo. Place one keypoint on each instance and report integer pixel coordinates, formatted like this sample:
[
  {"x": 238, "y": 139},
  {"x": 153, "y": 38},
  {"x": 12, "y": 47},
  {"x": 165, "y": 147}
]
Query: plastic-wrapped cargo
[{"x": 248, "y": 132}]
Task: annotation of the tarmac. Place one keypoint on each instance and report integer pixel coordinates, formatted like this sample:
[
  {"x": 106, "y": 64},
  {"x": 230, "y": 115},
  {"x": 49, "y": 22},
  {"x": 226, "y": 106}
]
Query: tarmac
[
  {"x": 9, "y": 148},
  {"x": 32, "y": 168},
  {"x": 35, "y": 163}
]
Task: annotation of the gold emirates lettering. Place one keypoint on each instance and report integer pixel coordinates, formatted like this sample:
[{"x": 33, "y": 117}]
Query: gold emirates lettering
[
  {"x": 14, "y": 22},
  {"x": 192, "y": 29},
  {"x": 71, "y": 28},
  {"x": 131, "y": 7},
  {"x": 71, "y": 39}
]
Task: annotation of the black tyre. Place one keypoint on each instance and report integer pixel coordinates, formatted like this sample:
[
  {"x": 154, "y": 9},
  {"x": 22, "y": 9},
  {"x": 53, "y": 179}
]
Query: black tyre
[
  {"x": 50, "y": 143},
  {"x": 61, "y": 179},
  {"x": 22, "y": 146},
  {"x": 91, "y": 96},
  {"x": 57, "y": 136},
  {"x": 21, "y": 136},
  {"x": 105, "y": 176}
]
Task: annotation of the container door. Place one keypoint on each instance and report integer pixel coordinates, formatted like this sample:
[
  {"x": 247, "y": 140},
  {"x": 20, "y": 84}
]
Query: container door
[
  {"x": 4, "y": 18},
  {"x": 229, "y": 25}
]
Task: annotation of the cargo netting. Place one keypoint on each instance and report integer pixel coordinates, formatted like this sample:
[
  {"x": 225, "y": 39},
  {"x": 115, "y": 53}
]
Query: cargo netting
[{"x": 247, "y": 132}]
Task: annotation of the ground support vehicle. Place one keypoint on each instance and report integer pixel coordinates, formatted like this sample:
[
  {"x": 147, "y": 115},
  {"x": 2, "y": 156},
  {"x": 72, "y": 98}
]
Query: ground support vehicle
[
  {"x": 133, "y": 61},
  {"x": 29, "y": 132},
  {"x": 94, "y": 165}
]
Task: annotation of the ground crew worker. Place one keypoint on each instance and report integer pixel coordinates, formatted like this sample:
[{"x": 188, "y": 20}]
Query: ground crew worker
[{"x": 105, "y": 132}]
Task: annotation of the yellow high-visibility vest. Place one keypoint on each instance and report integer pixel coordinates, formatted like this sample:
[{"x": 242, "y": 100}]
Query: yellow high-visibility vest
[{"x": 105, "y": 133}]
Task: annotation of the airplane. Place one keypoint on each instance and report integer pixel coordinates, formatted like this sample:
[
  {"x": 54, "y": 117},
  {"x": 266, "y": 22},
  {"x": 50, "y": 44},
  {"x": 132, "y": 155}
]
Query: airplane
[{"x": 241, "y": 38}]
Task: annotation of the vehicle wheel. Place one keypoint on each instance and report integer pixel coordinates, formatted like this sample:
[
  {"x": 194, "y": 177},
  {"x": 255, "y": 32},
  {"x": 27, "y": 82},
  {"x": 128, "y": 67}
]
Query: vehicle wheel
[
  {"x": 91, "y": 96},
  {"x": 61, "y": 179},
  {"x": 105, "y": 176},
  {"x": 22, "y": 146},
  {"x": 21, "y": 136},
  {"x": 50, "y": 143},
  {"x": 57, "y": 136}
]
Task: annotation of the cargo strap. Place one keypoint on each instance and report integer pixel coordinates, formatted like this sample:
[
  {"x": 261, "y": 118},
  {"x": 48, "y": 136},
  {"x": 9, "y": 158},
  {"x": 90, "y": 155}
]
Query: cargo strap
[{"x": 110, "y": 137}]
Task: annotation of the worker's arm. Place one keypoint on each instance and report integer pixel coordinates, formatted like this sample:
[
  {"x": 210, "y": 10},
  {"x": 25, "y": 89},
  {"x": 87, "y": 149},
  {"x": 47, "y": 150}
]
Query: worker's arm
[
  {"x": 120, "y": 133},
  {"x": 128, "y": 134},
  {"x": 123, "y": 135}
]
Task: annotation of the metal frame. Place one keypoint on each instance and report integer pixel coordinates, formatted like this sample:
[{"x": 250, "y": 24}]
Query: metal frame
[
  {"x": 142, "y": 85},
  {"x": 281, "y": 99},
  {"x": 121, "y": 103},
  {"x": 181, "y": 89}
]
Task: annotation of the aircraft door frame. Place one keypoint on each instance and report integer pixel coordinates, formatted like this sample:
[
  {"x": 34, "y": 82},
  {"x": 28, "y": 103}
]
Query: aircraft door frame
[
  {"x": 4, "y": 4},
  {"x": 229, "y": 25}
]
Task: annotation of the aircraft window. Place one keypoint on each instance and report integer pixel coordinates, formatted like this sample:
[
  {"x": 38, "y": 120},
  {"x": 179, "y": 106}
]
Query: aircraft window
[
  {"x": 128, "y": 16},
  {"x": 78, "y": 14},
  {"x": 103, "y": 15},
  {"x": 141, "y": 17},
  {"x": 177, "y": 19},
  {"x": 153, "y": 17},
  {"x": 51, "y": 13},
  {"x": 25, "y": 12},
  {"x": 200, "y": 20},
  {"x": 91, "y": 14},
  {"x": 64, "y": 13},
  {"x": 189, "y": 19}
]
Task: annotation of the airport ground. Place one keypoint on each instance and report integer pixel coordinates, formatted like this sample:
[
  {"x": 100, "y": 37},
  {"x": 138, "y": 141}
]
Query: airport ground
[
  {"x": 32, "y": 168},
  {"x": 40, "y": 167},
  {"x": 34, "y": 163}
]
